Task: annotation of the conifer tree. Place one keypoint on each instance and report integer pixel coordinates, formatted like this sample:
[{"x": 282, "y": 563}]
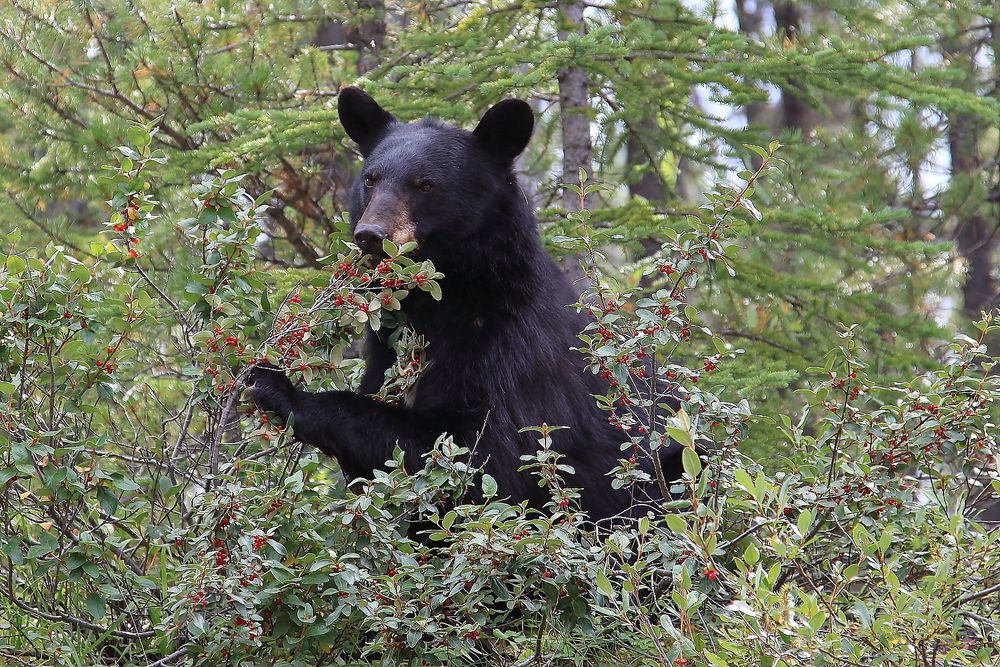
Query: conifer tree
[{"x": 635, "y": 89}]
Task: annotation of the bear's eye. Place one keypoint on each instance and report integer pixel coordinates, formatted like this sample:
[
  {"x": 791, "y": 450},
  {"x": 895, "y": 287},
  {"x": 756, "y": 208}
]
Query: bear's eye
[
  {"x": 369, "y": 181},
  {"x": 425, "y": 185}
]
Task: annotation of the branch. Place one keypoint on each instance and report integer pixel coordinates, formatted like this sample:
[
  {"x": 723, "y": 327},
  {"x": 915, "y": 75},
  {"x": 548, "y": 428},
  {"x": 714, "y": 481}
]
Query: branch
[
  {"x": 69, "y": 618},
  {"x": 980, "y": 594},
  {"x": 176, "y": 654}
]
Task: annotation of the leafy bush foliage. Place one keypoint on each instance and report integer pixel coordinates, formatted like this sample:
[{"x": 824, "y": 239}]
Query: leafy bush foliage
[{"x": 148, "y": 520}]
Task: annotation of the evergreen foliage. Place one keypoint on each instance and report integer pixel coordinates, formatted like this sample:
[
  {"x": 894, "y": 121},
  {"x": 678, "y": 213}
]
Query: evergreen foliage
[{"x": 253, "y": 87}]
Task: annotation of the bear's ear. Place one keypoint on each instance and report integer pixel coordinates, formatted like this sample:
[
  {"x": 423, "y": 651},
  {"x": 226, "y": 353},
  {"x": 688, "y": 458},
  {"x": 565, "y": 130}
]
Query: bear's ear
[
  {"x": 506, "y": 128},
  {"x": 363, "y": 119}
]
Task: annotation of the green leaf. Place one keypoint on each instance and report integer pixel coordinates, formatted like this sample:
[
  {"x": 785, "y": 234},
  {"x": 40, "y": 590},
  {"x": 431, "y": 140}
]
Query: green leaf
[
  {"x": 96, "y": 606},
  {"x": 720, "y": 345},
  {"x": 604, "y": 584},
  {"x": 316, "y": 629},
  {"x": 138, "y": 136},
  {"x": 14, "y": 265},
  {"x": 13, "y": 550},
  {"x": 804, "y": 521},
  {"x": 691, "y": 462},
  {"x": 745, "y": 482},
  {"x": 862, "y": 538},
  {"x": 42, "y": 549},
  {"x": 124, "y": 484},
  {"x": 196, "y": 626},
  {"x": 885, "y": 539},
  {"x": 676, "y": 523},
  {"x": 107, "y": 500},
  {"x": 758, "y": 150},
  {"x": 305, "y": 613},
  {"x": 715, "y": 660},
  {"x": 680, "y": 435},
  {"x": 489, "y": 486},
  {"x": 145, "y": 582},
  {"x": 891, "y": 579}
]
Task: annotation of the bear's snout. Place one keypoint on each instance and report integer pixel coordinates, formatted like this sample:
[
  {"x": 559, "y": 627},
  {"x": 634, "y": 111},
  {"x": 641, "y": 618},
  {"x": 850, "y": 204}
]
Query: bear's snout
[
  {"x": 387, "y": 216},
  {"x": 369, "y": 238}
]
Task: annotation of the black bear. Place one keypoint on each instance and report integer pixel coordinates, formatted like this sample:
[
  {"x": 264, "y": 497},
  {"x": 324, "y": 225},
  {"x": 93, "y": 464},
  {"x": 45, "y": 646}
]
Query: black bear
[{"x": 499, "y": 340}]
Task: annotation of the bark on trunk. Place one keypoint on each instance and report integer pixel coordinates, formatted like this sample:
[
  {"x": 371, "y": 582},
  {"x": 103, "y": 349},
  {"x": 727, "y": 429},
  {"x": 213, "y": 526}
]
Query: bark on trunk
[
  {"x": 750, "y": 22},
  {"x": 637, "y": 153},
  {"x": 574, "y": 107},
  {"x": 369, "y": 35},
  {"x": 794, "y": 112},
  {"x": 974, "y": 237}
]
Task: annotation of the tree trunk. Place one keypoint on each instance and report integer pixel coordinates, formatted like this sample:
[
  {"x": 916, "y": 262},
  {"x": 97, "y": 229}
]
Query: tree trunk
[
  {"x": 750, "y": 23},
  {"x": 974, "y": 236},
  {"x": 794, "y": 112},
  {"x": 369, "y": 35},
  {"x": 649, "y": 185},
  {"x": 574, "y": 109}
]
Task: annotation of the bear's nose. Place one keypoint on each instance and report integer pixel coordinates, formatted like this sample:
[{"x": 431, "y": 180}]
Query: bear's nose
[{"x": 369, "y": 238}]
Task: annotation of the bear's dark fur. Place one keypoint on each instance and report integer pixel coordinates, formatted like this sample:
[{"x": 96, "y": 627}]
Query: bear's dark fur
[{"x": 499, "y": 341}]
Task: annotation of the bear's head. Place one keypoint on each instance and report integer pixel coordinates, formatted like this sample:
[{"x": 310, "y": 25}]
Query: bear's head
[{"x": 428, "y": 182}]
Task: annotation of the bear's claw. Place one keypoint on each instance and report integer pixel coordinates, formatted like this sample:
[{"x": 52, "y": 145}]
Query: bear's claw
[{"x": 271, "y": 390}]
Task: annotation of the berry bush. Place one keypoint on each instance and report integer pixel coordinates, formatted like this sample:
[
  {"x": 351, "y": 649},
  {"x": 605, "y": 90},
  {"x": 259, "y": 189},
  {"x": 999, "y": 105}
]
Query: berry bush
[{"x": 148, "y": 518}]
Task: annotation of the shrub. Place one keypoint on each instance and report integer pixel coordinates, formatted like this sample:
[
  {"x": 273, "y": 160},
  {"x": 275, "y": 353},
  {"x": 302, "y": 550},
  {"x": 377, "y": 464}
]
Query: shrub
[{"x": 148, "y": 520}]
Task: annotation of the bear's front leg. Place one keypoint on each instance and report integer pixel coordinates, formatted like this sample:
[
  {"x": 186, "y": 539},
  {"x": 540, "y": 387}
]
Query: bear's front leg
[
  {"x": 272, "y": 391},
  {"x": 359, "y": 431}
]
